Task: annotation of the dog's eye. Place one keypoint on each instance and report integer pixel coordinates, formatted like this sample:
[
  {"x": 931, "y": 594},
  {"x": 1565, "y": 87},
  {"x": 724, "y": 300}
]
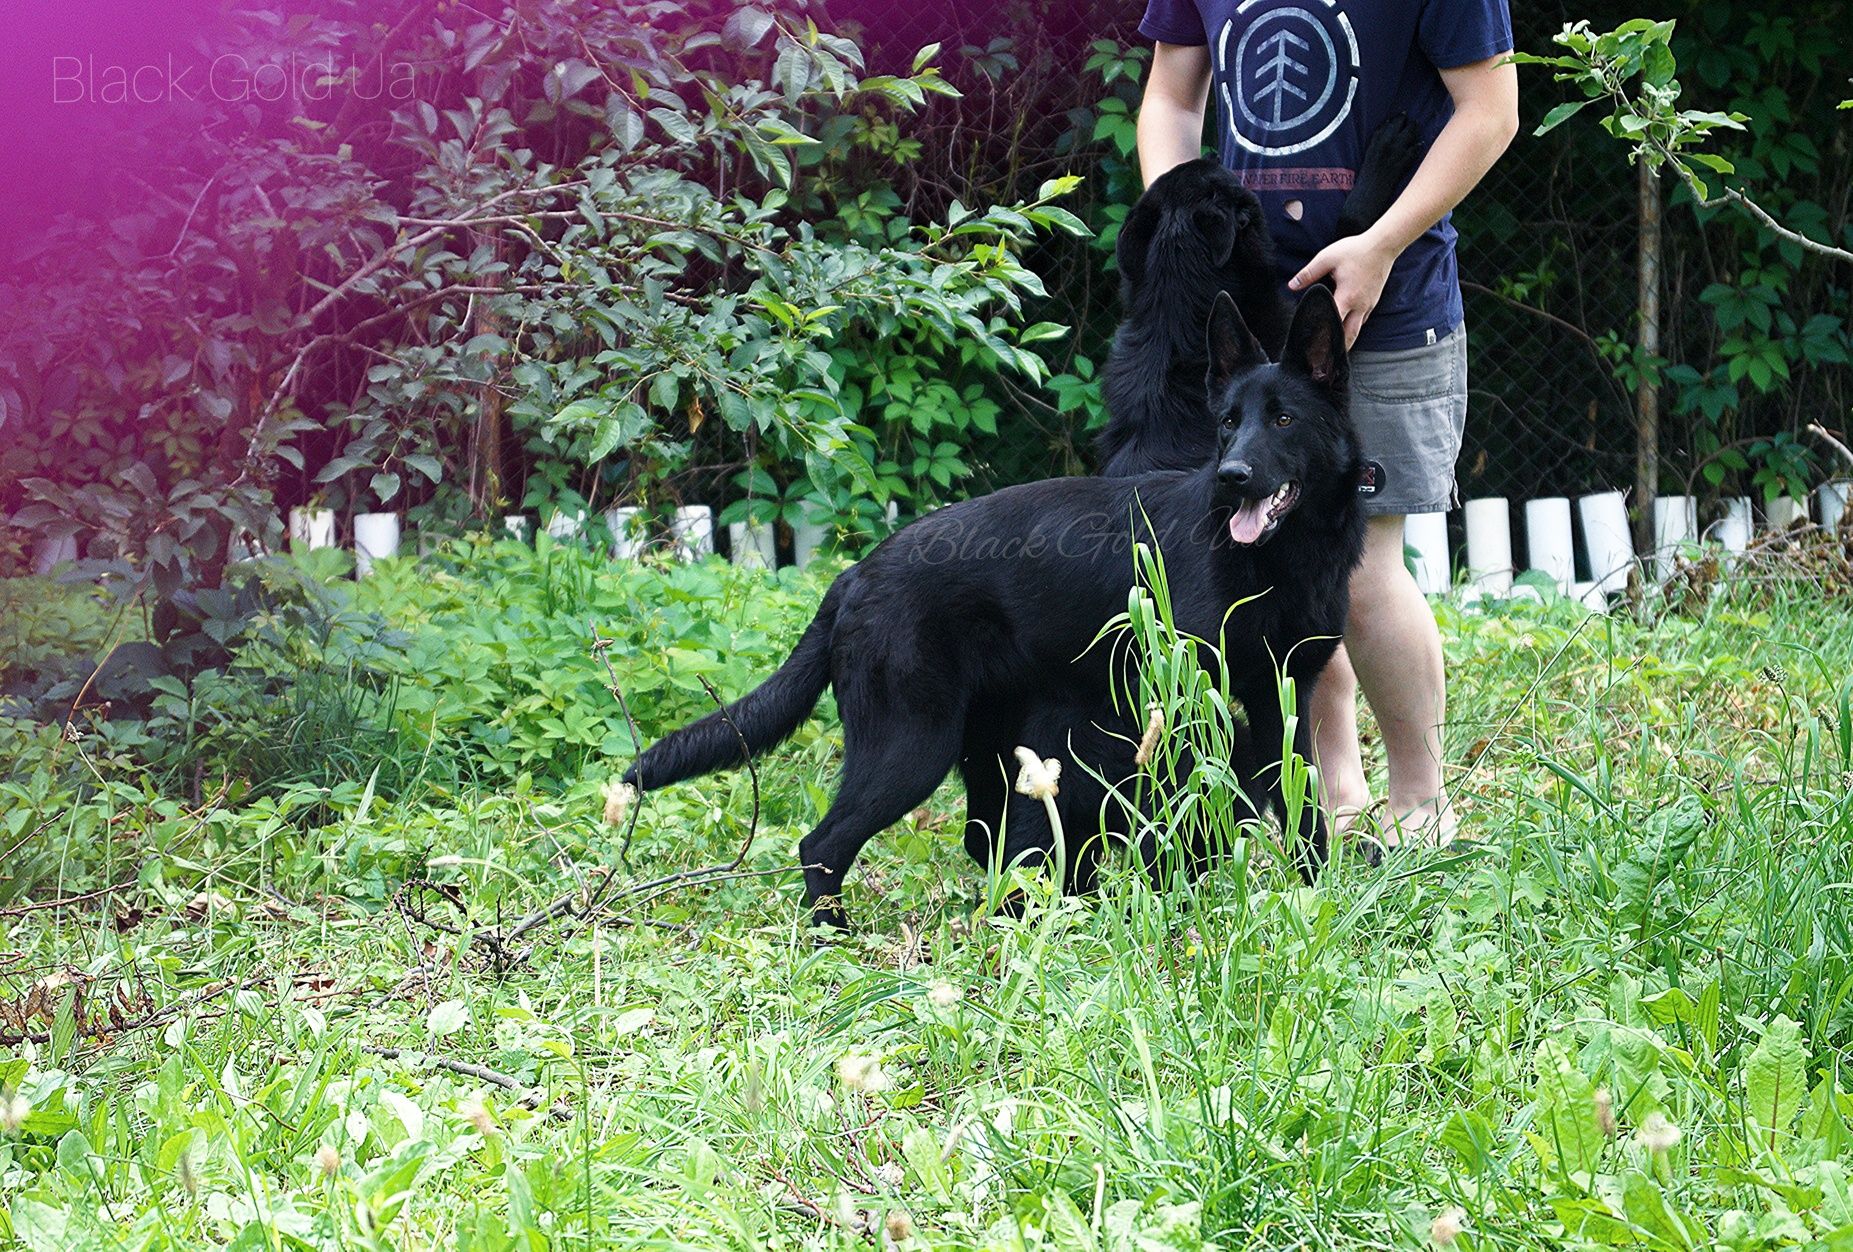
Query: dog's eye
[
  {"x": 1231, "y": 421},
  {"x": 1283, "y": 419}
]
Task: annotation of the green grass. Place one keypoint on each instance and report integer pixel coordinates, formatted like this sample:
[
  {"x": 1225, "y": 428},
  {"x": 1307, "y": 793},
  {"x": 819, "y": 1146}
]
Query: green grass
[{"x": 1657, "y": 909}]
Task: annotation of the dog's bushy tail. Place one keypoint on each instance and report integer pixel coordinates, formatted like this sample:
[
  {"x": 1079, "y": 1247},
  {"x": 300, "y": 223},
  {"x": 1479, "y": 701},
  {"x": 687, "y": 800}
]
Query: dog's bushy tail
[{"x": 763, "y": 717}]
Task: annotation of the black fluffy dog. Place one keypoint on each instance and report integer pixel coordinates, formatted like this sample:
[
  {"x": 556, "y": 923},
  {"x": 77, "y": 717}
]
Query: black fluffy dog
[
  {"x": 995, "y": 602},
  {"x": 1194, "y": 235}
]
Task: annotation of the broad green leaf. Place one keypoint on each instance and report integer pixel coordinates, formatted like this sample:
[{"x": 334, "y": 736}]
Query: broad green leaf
[
  {"x": 1566, "y": 1135},
  {"x": 447, "y": 1018},
  {"x": 1775, "y": 1079},
  {"x": 1561, "y": 114}
]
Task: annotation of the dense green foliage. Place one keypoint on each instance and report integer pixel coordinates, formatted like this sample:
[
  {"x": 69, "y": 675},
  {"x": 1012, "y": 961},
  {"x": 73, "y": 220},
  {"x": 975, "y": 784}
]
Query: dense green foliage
[
  {"x": 1653, "y": 933},
  {"x": 610, "y": 254},
  {"x": 1766, "y": 338},
  {"x": 648, "y": 253},
  {"x": 651, "y": 254}
]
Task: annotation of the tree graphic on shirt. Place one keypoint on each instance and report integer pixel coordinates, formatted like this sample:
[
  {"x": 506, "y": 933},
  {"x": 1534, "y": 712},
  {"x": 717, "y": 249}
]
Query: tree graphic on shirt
[{"x": 1279, "y": 66}]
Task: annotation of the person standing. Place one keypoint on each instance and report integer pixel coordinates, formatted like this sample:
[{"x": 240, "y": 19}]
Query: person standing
[{"x": 1300, "y": 86}]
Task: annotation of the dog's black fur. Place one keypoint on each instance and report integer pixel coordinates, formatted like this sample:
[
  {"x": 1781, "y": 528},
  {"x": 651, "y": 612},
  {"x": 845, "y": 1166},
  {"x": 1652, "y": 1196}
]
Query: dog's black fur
[
  {"x": 996, "y": 602},
  {"x": 1195, "y": 234}
]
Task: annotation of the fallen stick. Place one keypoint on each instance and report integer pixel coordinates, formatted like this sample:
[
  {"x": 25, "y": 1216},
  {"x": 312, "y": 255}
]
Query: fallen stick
[{"x": 531, "y": 1097}]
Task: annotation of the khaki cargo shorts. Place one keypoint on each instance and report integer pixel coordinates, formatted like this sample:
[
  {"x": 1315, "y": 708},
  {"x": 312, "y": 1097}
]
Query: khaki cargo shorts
[{"x": 1410, "y": 409}]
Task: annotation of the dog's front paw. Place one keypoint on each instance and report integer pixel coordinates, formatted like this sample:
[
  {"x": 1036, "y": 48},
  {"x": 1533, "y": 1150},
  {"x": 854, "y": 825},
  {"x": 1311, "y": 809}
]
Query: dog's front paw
[{"x": 827, "y": 913}]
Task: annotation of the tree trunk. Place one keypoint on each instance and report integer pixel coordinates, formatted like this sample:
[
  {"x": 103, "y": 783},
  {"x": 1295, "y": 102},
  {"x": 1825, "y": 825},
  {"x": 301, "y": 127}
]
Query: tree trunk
[
  {"x": 1647, "y": 392},
  {"x": 486, "y": 478}
]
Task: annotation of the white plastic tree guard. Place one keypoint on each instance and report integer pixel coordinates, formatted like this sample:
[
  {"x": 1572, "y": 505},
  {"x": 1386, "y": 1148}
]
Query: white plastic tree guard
[
  {"x": 754, "y": 544},
  {"x": 628, "y": 540},
  {"x": 807, "y": 537},
  {"x": 563, "y": 525},
  {"x": 53, "y": 551},
  {"x": 519, "y": 526},
  {"x": 1606, "y": 541},
  {"x": 1489, "y": 545},
  {"x": 376, "y": 537},
  {"x": 1733, "y": 530},
  {"x": 1784, "y": 512},
  {"x": 312, "y": 528},
  {"x": 1548, "y": 535},
  {"x": 1591, "y": 596},
  {"x": 1427, "y": 535},
  {"x": 1830, "y": 502},
  {"x": 1676, "y": 524},
  {"x": 693, "y": 531}
]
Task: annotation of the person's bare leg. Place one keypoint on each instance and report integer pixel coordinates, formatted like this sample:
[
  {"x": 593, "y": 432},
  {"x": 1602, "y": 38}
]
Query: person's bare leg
[
  {"x": 1343, "y": 788},
  {"x": 1394, "y": 648}
]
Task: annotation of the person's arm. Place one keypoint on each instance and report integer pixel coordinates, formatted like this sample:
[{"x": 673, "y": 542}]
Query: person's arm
[
  {"x": 1171, "y": 111},
  {"x": 1485, "y": 120}
]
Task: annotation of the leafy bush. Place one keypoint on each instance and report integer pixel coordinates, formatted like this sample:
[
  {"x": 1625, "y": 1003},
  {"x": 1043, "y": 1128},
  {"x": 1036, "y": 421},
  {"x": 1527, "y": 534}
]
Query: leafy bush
[
  {"x": 499, "y": 649},
  {"x": 615, "y": 245}
]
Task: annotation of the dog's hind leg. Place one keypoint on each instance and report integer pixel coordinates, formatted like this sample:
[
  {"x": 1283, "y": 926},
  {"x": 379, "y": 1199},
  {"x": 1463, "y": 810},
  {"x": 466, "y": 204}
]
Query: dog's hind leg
[
  {"x": 888, "y": 770},
  {"x": 987, "y": 793}
]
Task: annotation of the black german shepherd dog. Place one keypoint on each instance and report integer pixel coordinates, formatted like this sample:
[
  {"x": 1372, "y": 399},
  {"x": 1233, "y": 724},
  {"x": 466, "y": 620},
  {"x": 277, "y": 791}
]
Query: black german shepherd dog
[
  {"x": 1194, "y": 234},
  {"x": 996, "y": 602}
]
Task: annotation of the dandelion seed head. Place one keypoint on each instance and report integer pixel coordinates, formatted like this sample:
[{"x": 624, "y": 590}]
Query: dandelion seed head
[
  {"x": 14, "y": 1110},
  {"x": 860, "y": 1072},
  {"x": 477, "y": 1115},
  {"x": 944, "y": 995},
  {"x": 327, "y": 1161},
  {"x": 1446, "y": 1227},
  {"x": 1658, "y": 1133},
  {"x": 1605, "y": 1112},
  {"x": 619, "y": 796},
  {"x": 1038, "y": 779},
  {"x": 899, "y": 1226}
]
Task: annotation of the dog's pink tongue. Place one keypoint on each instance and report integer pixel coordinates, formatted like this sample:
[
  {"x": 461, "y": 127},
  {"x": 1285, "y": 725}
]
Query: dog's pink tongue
[{"x": 1246, "y": 525}]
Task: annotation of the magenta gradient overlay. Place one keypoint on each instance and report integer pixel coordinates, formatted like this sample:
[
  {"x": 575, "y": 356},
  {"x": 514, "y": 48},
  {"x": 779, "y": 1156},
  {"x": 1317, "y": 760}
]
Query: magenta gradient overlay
[{"x": 88, "y": 157}]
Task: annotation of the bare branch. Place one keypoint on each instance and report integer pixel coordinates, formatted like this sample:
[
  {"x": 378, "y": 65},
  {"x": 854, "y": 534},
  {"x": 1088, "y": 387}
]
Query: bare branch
[
  {"x": 1730, "y": 195},
  {"x": 1820, "y": 432}
]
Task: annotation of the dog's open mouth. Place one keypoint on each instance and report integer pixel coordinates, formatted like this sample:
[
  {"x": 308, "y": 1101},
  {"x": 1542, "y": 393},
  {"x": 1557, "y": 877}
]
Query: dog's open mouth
[{"x": 1255, "y": 521}]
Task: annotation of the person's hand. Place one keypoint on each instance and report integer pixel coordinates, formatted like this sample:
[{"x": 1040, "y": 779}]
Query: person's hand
[{"x": 1358, "y": 266}]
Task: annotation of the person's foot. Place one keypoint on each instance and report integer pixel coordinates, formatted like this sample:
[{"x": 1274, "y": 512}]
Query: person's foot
[
  {"x": 1379, "y": 832},
  {"x": 1430, "y": 824},
  {"x": 1346, "y": 818},
  {"x": 1357, "y": 824}
]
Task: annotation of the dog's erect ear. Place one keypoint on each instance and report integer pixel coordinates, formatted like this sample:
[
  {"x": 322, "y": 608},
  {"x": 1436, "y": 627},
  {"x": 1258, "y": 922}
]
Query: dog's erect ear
[
  {"x": 1233, "y": 350},
  {"x": 1316, "y": 341},
  {"x": 1135, "y": 244}
]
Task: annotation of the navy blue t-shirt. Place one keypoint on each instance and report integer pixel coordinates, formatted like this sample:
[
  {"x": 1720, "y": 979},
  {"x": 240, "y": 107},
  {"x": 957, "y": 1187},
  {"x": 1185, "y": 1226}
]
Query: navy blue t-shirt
[{"x": 1301, "y": 85}]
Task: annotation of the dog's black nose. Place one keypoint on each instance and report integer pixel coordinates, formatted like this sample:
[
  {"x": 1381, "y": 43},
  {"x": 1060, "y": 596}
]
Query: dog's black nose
[{"x": 1234, "y": 473}]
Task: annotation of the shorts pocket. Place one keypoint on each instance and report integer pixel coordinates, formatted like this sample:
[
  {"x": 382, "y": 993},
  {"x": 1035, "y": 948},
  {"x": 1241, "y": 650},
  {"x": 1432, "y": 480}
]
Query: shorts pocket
[{"x": 1430, "y": 371}]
